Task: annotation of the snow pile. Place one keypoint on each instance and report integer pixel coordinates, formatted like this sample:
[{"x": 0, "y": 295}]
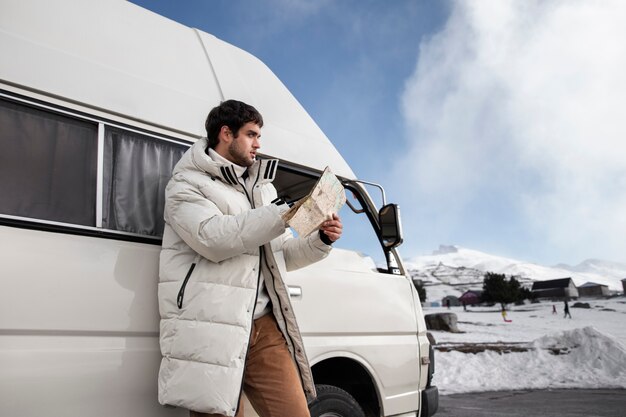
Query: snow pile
[
  {"x": 599, "y": 357},
  {"x": 579, "y": 358}
]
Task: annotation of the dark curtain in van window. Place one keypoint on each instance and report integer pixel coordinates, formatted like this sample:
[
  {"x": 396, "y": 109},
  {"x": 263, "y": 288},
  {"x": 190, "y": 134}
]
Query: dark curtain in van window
[
  {"x": 136, "y": 170},
  {"x": 47, "y": 165}
]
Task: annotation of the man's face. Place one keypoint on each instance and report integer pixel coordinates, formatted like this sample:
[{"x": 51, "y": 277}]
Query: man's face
[{"x": 242, "y": 150}]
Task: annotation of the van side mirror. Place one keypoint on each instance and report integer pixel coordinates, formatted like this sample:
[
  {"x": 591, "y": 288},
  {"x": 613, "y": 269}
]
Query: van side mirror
[{"x": 390, "y": 228}]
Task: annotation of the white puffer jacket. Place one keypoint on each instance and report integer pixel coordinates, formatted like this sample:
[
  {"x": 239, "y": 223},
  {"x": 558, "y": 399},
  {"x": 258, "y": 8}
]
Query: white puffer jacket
[{"x": 218, "y": 235}]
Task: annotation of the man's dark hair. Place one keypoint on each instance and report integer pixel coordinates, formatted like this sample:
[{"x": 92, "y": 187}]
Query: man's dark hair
[{"x": 231, "y": 113}]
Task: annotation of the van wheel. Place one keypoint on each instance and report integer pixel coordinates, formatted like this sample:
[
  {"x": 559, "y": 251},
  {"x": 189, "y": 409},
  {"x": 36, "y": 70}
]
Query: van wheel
[{"x": 334, "y": 402}]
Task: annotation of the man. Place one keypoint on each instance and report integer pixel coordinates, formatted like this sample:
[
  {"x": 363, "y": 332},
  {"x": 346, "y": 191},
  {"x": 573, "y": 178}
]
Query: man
[{"x": 227, "y": 324}]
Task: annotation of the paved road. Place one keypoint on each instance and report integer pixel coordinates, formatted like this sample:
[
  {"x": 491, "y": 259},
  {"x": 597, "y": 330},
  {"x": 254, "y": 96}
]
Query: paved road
[{"x": 544, "y": 403}]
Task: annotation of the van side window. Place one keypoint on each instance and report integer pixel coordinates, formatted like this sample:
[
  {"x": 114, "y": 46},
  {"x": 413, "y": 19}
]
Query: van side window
[
  {"x": 136, "y": 170},
  {"x": 48, "y": 165}
]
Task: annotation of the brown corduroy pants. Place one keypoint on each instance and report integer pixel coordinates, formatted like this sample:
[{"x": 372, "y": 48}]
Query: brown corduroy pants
[{"x": 271, "y": 380}]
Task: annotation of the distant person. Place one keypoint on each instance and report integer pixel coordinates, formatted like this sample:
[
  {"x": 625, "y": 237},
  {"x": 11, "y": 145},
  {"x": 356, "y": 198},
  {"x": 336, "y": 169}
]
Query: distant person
[
  {"x": 448, "y": 303},
  {"x": 566, "y": 310},
  {"x": 504, "y": 316},
  {"x": 553, "y": 309},
  {"x": 464, "y": 306}
]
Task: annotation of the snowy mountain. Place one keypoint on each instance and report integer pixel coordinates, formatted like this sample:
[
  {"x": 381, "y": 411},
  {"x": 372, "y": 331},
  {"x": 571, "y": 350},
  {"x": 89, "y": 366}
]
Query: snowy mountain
[
  {"x": 451, "y": 270},
  {"x": 599, "y": 267}
]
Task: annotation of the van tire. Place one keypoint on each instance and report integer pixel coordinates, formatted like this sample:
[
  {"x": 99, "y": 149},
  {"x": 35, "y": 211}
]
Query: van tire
[{"x": 332, "y": 401}]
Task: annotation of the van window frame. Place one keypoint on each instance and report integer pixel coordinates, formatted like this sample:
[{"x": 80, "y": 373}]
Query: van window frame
[
  {"x": 49, "y": 164},
  {"x": 96, "y": 230}
]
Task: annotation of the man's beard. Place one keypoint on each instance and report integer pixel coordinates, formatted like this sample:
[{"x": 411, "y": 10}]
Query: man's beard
[{"x": 237, "y": 155}]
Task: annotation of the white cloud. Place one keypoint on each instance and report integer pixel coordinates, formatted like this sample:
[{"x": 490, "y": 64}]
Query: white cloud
[{"x": 525, "y": 101}]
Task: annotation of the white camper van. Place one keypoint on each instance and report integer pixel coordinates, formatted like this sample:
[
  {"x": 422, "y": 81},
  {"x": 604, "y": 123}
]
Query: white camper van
[{"x": 98, "y": 100}]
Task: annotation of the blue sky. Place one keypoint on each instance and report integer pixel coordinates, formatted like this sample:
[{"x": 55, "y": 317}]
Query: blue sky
[{"x": 496, "y": 125}]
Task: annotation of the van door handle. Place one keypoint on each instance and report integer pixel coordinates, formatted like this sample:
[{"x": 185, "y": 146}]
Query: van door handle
[{"x": 295, "y": 291}]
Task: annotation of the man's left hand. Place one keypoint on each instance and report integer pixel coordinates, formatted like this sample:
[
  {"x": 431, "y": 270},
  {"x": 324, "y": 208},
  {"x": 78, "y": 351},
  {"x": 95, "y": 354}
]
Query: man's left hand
[{"x": 332, "y": 228}]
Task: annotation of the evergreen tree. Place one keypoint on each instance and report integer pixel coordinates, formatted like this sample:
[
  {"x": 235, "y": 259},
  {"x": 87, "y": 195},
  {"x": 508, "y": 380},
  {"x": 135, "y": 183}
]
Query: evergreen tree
[
  {"x": 497, "y": 289},
  {"x": 528, "y": 294}
]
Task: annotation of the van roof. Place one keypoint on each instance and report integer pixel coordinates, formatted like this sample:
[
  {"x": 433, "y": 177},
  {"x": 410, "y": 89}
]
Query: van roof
[{"x": 118, "y": 57}]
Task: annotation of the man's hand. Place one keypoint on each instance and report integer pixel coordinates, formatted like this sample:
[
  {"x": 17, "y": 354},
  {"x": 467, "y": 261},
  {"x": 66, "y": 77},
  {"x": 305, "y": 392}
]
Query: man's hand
[{"x": 332, "y": 228}]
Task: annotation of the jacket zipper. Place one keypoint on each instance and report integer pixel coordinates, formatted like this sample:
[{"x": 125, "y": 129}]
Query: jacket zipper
[
  {"x": 250, "y": 198},
  {"x": 181, "y": 292},
  {"x": 243, "y": 185},
  {"x": 263, "y": 258}
]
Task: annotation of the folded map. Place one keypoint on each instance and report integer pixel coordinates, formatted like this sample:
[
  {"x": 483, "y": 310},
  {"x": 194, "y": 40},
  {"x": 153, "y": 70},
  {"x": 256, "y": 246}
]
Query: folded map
[{"x": 325, "y": 199}]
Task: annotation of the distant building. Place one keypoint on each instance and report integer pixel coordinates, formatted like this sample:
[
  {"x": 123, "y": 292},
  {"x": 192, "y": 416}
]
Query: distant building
[
  {"x": 555, "y": 288},
  {"x": 471, "y": 297},
  {"x": 454, "y": 301},
  {"x": 592, "y": 289}
]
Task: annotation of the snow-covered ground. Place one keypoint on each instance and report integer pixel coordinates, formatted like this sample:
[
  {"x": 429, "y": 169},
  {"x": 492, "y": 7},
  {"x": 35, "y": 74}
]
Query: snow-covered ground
[{"x": 592, "y": 347}]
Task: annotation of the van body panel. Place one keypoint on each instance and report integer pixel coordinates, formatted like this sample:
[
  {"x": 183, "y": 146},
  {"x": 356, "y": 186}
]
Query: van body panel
[
  {"x": 78, "y": 284},
  {"x": 97, "y": 308},
  {"x": 366, "y": 315},
  {"x": 100, "y": 302},
  {"x": 78, "y": 374},
  {"x": 78, "y": 325}
]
